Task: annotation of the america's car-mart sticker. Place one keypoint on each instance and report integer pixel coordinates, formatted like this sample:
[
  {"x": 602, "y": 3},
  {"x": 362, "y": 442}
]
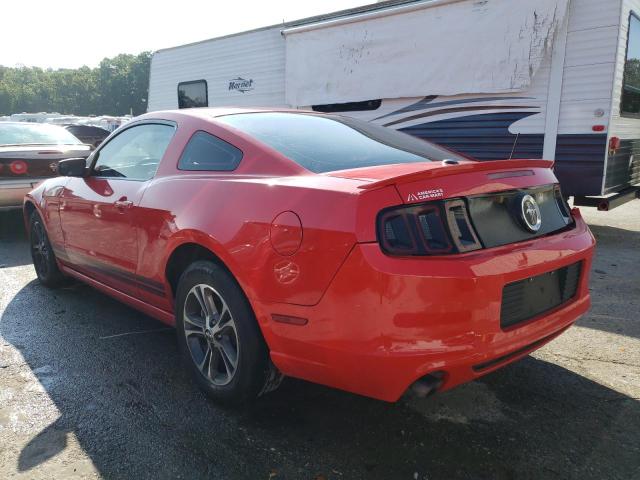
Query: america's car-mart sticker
[{"x": 426, "y": 195}]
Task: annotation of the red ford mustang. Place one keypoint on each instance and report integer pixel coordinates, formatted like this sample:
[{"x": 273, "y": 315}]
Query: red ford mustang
[{"x": 317, "y": 246}]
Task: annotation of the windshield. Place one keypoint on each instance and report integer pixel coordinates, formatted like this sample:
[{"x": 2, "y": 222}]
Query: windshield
[
  {"x": 323, "y": 143},
  {"x": 30, "y": 134}
]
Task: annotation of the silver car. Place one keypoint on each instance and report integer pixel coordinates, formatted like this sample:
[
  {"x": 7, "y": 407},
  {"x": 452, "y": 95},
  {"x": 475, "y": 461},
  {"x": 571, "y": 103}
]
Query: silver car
[{"x": 29, "y": 153}]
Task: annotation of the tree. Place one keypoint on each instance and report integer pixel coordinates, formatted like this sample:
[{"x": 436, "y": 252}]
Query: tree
[{"x": 118, "y": 86}]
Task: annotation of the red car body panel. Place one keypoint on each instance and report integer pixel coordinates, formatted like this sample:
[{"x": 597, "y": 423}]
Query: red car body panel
[
  {"x": 378, "y": 336},
  {"x": 304, "y": 245}
]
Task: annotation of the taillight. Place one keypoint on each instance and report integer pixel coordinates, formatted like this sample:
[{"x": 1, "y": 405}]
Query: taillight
[
  {"x": 563, "y": 206},
  {"x": 462, "y": 232},
  {"x": 435, "y": 228},
  {"x": 18, "y": 167},
  {"x": 432, "y": 229},
  {"x": 614, "y": 145}
]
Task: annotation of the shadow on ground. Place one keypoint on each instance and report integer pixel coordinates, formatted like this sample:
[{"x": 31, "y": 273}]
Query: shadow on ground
[
  {"x": 615, "y": 282},
  {"x": 135, "y": 414},
  {"x": 612, "y": 236},
  {"x": 14, "y": 249}
]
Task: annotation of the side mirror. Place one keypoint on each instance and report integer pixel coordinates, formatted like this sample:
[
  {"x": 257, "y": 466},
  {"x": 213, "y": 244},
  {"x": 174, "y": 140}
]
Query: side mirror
[{"x": 72, "y": 167}]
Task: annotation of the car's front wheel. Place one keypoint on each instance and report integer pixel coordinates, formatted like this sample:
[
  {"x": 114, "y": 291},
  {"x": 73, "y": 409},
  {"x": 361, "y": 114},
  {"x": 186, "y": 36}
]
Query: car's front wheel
[
  {"x": 219, "y": 338},
  {"x": 44, "y": 260}
]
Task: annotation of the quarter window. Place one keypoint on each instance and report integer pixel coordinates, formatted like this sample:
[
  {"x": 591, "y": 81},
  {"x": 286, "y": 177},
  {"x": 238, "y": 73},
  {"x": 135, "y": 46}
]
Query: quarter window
[
  {"x": 206, "y": 152},
  {"x": 193, "y": 94},
  {"x": 630, "y": 103},
  {"x": 135, "y": 153}
]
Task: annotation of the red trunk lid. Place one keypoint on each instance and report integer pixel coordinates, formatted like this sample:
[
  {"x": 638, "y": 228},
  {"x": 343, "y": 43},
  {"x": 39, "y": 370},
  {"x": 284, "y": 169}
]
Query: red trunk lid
[{"x": 420, "y": 182}]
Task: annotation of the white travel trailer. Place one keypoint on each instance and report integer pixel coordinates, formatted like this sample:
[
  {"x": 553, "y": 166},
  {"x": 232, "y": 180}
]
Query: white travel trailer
[{"x": 492, "y": 79}]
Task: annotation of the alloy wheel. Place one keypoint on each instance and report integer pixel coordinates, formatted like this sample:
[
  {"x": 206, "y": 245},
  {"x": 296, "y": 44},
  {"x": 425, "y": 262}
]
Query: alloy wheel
[
  {"x": 211, "y": 335},
  {"x": 40, "y": 249}
]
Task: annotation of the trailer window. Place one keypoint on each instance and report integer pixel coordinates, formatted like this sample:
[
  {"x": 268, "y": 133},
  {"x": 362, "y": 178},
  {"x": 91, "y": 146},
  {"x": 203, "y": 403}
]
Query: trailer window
[
  {"x": 630, "y": 103},
  {"x": 348, "y": 107},
  {"x": 193, "y": 94}
]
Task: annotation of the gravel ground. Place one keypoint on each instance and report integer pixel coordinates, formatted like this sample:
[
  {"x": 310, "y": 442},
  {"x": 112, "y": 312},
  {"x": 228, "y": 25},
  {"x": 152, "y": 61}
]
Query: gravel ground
[{"x": 80, "y": 400}]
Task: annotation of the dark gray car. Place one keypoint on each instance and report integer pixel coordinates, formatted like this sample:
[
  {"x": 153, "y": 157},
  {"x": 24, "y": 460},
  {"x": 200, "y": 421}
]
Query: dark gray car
[
  {"x": 88, "y": 134},
  {"x": 29, "y": 153}
]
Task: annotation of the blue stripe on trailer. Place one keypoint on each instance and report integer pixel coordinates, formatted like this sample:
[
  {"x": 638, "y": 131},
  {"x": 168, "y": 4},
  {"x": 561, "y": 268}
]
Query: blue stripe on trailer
[
  {"x": 484, "y": 136},
  {"x": 579, "y": 158}
]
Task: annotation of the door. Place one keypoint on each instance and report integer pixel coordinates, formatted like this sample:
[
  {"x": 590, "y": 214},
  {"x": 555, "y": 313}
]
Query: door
[{"x": 97, "y": 211}]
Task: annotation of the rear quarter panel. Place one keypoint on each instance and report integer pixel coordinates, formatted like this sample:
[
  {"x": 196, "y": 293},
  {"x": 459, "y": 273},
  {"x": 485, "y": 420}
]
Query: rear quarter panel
[
  {"x": 230, "y": 214},
  {"x": 232, "y": 217}
]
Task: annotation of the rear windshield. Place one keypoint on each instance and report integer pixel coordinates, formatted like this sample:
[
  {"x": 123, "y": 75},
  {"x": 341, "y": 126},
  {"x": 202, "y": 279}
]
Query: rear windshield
[
  {"x": 35, "y": 134},
  {"x": 328, "y": 143}
]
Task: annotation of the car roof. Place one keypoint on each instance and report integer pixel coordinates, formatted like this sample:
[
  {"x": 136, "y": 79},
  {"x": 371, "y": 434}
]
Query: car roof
[
  {"x": 31, "y": 124},
  {"x": 207, "y": 113}
]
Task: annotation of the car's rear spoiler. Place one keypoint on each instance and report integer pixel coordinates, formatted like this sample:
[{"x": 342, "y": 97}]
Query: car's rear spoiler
[{"x": 447, "y": 170}]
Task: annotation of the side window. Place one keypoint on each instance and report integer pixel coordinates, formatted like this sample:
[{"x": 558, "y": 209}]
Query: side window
[
  {"x": 193, "y": 94},
  {"x": 135, "y": 153},
  {"x": 206, "y": 152},
  {"x": 630, "y": 103}
]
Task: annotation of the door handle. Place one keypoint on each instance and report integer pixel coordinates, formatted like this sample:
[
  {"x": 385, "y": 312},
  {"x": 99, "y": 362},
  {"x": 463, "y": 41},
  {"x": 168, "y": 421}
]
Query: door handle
[{"x": 122, "y": 204}]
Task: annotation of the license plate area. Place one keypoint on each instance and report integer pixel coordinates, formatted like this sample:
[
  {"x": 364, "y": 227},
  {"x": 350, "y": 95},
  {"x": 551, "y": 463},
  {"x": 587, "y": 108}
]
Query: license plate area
[{"x": 528, "y": 298}]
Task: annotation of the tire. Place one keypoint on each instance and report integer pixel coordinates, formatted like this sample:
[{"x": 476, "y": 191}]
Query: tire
[
  {"x": 44, "y": 259},
  {"x": 219, "y": 338}
]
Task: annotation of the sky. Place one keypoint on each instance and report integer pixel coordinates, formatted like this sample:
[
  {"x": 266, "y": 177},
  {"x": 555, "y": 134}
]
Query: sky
[{"x": 72, "y": 33}]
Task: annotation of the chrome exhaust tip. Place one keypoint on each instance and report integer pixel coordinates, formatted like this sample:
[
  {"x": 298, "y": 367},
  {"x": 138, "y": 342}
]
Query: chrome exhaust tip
[{"x": 427, "y": 385}]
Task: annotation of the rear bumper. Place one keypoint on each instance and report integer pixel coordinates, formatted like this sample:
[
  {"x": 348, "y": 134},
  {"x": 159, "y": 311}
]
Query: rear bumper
[
  {"x": 12, "y": 192},
  {"x": 385, "y": 322}
]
